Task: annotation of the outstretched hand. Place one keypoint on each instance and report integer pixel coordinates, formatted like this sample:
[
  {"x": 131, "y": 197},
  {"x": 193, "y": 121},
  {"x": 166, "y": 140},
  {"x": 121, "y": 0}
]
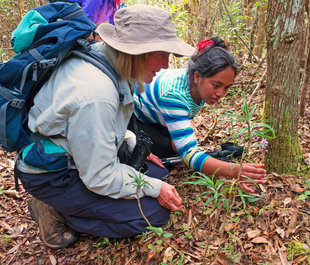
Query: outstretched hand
[
  {"x": 169, "y": 197},
  {"x": 256, "y": 172},
  {"x": 155, "y": 159}
]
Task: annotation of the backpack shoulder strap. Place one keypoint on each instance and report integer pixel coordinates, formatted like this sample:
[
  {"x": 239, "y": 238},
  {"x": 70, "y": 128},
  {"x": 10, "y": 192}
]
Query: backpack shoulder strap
[{"x": 100, "y": 62}]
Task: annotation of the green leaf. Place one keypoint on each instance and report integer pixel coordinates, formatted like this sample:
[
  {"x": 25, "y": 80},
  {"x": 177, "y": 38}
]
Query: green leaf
[
  {"x": 242, "y": 198},
  {"x": 302, "y": 197},
  {"x": 157, "y": 230},
  {"x": 159, "y": 242},
  {"x": 252, "y": 111},
  {"x": 252, "y": 199},
  {"x": 209, "y": 200},
  {"x": 166, "y": 235},
  {"x": 160, "y": 249},
  {"x": 151, "y": 247}
]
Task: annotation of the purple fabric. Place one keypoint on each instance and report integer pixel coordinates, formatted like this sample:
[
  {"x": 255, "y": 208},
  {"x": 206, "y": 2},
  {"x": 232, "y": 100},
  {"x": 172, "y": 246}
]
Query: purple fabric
[{"x": 98, "y": 11}]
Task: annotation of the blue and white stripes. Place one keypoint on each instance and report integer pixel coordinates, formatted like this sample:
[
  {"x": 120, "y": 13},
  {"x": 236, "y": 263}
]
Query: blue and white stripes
[{"x": 167, "y": 101}]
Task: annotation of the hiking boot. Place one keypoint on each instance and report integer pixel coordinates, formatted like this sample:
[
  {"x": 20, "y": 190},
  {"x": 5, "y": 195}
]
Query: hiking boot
[{"x": 54, "y": 232}]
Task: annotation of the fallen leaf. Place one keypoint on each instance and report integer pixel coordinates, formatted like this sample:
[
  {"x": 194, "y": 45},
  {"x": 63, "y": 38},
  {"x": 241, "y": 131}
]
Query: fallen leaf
[
  {"x": 152, "y": 255},
  {"x": 297, "y": 188},
  {"x": 287, "y": 201},
  {"x": 259, "y": 240},
  {"x": 52, "y": 259},
  {"x": 283, "y": 256},
  {"x": 253, "y": 233},
  {"x": 280, "y": 231},
  {"x": 293, "y": 220},
  {"x": 229, "y": 227},
  {"x": 169, "y": 253}
]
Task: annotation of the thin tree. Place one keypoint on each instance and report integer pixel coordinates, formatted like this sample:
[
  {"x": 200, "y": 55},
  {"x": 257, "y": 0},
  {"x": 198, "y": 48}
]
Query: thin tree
[
  {"x": 285, "y": 24},
  {"x": 306, "y": 80}
]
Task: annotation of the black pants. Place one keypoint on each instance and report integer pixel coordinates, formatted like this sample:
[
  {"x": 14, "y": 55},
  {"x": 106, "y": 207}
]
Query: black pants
[{"x": 159, "y": 135}]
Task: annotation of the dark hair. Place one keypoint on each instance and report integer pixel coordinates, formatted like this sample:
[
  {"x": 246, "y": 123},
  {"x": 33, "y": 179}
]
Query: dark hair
[{"x": 211, "y": 60}]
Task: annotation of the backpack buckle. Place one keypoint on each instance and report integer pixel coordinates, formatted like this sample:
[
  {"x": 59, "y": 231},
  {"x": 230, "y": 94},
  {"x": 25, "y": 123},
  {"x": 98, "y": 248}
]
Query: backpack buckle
[
  {"x": 84, "y": 43},
  {"x": 46, "y": 63},
  {"x": 17, "y": 103}
]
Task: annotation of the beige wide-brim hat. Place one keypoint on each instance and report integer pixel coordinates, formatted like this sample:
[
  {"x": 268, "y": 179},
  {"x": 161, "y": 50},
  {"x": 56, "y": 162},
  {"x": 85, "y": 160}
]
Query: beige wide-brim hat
[{"x": 141, "y": 29}]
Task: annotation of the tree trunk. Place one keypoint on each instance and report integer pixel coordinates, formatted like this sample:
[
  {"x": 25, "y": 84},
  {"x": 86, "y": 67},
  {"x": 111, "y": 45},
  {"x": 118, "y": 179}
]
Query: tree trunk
[
  {"x": 285, "y": 24},
  {"x": 306, "y": 79},
  {"x": 261, "y": 34}
]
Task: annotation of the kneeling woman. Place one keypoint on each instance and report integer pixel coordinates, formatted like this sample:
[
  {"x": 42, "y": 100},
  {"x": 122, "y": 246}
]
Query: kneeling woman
[
  {"x": 80, "y": 104},
  {"x": 166, "y": 107}
]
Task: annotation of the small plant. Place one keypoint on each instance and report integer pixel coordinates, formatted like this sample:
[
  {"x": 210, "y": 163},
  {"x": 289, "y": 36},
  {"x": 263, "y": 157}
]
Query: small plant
[
  {"x": 252, "y": 128},
  {"x": 177, "y": 213},
  {"x": 175, "y": 261},
  {"x": 101, "y": 243},
  {"x": 159, "y": 232},
  {"x": 139, "y": 182},
  {"x": 185, "y": 228},
  {"x": 5, "y": 240},
  {"x": 214, "y": 191},
  {"x": 2, "y": 190},
  {"x": 306, "y": 194},
  {"x": 249, "y": 197}
]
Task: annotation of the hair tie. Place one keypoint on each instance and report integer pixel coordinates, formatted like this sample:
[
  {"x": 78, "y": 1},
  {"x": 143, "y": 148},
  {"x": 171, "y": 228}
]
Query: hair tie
[{"x": 204, "y": 43}]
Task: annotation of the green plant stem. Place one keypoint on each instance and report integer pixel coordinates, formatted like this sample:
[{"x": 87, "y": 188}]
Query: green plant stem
[{"x": 139, "y": 205}]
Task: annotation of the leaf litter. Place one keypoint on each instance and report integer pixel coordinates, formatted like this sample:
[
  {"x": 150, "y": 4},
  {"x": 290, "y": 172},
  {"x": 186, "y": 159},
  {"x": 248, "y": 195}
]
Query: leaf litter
[{"x": 259, "y": 233}]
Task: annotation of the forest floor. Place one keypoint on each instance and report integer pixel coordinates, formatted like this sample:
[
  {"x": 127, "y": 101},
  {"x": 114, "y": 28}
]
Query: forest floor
[{"x": 269, "y": 226}]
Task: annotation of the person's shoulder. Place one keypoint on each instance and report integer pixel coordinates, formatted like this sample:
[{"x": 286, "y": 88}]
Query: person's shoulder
[{"x": 85, "y": 81}]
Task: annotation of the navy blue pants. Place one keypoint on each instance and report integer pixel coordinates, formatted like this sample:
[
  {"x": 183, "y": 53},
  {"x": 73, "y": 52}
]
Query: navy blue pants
[{"x": 88, "y": 212}]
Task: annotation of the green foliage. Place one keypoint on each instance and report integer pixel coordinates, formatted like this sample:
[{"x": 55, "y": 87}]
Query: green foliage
[
  {"x": 219, "y": 190},
  {"x": 139, "y": 182},
  {"x": 306, "y": 194},
  {"x": 159, "y": 243},
  {"x": 214, "y": 193},
  {"x": 175, "y": 261},
  {"x": 251, "y": 128},
  {"x": 296, "y": 248},
  {"x": 101, "y": 243},
  {"x": 250, "y": 198},
  {"x": 177, "y": 213},
  {"x": 5, "y": 240},
  {"x": 2, "y": 190},
  {"x": 159, "y": 232}
]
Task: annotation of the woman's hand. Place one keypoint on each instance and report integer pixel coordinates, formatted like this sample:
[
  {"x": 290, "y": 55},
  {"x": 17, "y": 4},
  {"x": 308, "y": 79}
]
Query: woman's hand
[
  {"x": 169, "y": 197},
  {"x": 255, "y": 172},
  {"x": 153, "y": 158}
]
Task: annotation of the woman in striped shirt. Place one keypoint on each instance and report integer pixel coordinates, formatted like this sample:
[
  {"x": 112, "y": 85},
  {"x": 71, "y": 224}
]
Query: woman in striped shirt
[{"x": 167, "y": 106}]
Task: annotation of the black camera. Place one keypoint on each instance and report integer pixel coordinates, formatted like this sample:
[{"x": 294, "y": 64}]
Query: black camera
[
  {"x": 229, "y": 151},
  {"x": 140, "y": 152}
]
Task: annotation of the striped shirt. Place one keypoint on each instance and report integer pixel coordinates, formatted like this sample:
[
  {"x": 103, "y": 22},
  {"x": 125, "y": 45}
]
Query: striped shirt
[{"x": 167, "y": 101}]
